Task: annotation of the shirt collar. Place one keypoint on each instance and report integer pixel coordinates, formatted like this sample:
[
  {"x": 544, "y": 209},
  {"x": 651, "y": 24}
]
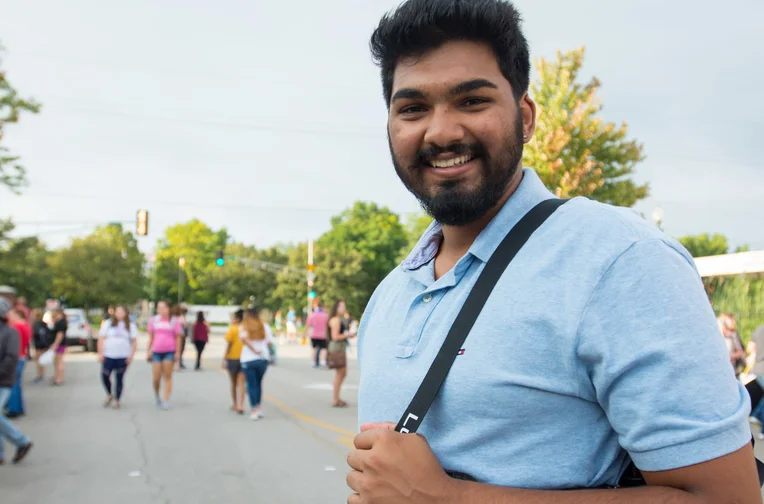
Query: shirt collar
[{"x": 529, "y": 193}]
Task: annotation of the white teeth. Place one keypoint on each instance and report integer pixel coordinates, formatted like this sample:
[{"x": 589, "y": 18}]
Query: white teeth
[{"x": 447, "y": 163}]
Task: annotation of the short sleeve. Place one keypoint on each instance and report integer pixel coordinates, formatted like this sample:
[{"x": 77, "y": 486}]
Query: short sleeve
[
  {"x": 103, "y": 330},
  {"x": 133, "y": 331},
  {"x": 242, "y": 333},
  {"x": 268, "y": 334},
  {"x": 229, "y": 334},
  {"x": 657, "y": 364},
  {"x": 150, "y": 328},
  {"x": 178, "y": 328}
]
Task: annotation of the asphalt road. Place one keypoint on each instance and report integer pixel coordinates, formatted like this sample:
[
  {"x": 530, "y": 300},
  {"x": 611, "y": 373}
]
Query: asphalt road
[{"x": 197, "y": 452}]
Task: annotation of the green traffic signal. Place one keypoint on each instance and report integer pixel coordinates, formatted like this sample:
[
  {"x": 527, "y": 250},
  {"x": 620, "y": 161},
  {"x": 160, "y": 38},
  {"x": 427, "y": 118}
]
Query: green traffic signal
[
  {"x": 312, "y": 295},
  {"x": 220, "y": 261}
]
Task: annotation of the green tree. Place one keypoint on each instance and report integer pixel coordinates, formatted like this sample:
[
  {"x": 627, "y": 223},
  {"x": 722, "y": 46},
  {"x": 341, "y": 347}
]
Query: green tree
[
  {"x": 416, "y": 225},
  {"x": 574, "y": 151},
  {"x": 197, "y": 244},
  {"x": 357, "y": 253},
  {"x": 12, "y": 174},
  {"x": 241, "y": 281},
  {"x": 103, "y": 268},
  {"x": 704, "y": 245},
  {"x": 24, "y": 265}
]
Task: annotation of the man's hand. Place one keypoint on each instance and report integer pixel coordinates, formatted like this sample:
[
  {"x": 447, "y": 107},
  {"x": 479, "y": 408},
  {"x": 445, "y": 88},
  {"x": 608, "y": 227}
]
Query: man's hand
[
  {"x": 128, "y": 361},
  {"x": 100, "y": 358},
  {"x": 390, "y": 467}
]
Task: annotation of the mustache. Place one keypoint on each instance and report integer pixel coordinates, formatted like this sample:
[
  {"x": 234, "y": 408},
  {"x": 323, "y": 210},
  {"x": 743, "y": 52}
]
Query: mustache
[{"x": 458, "y": 149}]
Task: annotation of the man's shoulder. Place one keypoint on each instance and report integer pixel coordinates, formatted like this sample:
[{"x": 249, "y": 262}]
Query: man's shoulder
[{"x": 611, "y": 230}]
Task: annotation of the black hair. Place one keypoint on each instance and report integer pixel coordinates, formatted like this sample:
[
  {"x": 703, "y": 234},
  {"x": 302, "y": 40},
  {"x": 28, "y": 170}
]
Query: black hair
[
  {"x": 199, "y": 317},
  {"x": 418, "y": 26},
  {"x": 239, "y": 314}
]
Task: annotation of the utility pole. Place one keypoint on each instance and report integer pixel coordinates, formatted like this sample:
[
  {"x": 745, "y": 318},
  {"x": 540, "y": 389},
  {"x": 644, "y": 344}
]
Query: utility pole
[
  {"x": 181, "y": 265},
  {"x": 311, "y": 276}
]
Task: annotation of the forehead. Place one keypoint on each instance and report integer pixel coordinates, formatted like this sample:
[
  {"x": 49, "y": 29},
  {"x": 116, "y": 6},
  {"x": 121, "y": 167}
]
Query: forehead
[{"x": 448, "y": 65}]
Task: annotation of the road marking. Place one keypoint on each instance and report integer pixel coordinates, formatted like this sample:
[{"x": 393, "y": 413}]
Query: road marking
[
  {"x": 309, "y": 419},
  {"x": 347, "y": 436},
  {"x": 327, "y": 386}
]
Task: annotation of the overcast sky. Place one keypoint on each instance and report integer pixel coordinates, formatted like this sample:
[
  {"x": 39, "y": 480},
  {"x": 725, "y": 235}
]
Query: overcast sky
[{"x": 267, "y": 117}]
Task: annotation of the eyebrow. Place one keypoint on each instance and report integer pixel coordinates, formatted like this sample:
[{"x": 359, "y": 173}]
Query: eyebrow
[
  {"x": 461, "y": 88},
  {"x": 471, "y": 85}
]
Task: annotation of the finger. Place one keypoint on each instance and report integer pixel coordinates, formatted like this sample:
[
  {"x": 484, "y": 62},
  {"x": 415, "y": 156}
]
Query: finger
[
  {"x": 354, "y": 460},
  {"x": 365, "y": 440},
  {"x": 353, "y": 480},
  {"x": 377, "y": 425}
]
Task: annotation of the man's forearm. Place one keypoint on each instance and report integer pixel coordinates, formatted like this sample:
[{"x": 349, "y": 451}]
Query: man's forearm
[{"x": 467, "y": 492}]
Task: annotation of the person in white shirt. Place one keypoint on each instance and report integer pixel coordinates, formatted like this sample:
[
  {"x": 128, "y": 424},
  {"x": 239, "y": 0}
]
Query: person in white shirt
[
  {"x": 255, "y": 355},
  {"x": 117, "y": 343}
]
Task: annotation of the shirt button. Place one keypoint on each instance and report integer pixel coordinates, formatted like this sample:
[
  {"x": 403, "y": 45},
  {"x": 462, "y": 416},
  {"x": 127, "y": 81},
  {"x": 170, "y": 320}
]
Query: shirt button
[{"x": 427, "y": 298}]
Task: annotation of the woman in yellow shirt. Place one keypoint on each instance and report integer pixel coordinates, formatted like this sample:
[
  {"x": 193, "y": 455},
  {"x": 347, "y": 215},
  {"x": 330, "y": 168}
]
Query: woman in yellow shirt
[{"x": 231, "y": 362}]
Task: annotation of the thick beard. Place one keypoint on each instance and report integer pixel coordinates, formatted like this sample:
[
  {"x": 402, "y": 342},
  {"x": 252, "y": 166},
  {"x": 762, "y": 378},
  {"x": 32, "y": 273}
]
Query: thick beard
[{"x": 452, "y": 205}]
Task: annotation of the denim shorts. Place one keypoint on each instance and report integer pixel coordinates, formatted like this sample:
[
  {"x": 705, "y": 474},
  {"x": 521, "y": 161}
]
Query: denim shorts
[{"x": 162, "y": 356}]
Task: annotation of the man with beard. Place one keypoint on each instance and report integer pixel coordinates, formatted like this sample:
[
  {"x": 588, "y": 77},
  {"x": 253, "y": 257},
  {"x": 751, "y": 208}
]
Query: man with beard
[{"x": 597, "y": 347}]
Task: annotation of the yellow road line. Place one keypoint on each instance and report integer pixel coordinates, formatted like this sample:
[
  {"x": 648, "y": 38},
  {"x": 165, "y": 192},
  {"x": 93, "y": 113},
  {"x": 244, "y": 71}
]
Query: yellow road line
[
  {"x": 310, "y": 419},
  {"x": 347, "y": 436}
]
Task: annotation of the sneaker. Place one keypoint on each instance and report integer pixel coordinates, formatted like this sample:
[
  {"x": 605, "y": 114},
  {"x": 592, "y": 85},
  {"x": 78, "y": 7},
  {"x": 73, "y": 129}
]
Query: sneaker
[
  {"x": 165, "y": 405},
  {"x": 159, "y": 401},
  {"x": 256, "y": 416},
  {"x": 22, "y": 452},
  {"x": 760, "y": 435},
  {"x": 754, "y": 420}
]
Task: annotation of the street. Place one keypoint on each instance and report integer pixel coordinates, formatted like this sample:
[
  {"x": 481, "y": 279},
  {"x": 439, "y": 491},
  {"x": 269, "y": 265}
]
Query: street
[{"x": 197, "y": 452}]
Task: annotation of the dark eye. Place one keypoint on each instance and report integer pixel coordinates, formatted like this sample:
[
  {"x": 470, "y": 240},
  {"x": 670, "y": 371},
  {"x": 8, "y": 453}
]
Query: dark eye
[
  {"x": 411, "y": 109},
  {"x": 471, "y": 102}
]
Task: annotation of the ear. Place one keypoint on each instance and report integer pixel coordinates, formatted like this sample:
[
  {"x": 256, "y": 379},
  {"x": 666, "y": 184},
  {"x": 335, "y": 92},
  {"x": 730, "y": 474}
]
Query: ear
[{"x": 528, "y": 112}]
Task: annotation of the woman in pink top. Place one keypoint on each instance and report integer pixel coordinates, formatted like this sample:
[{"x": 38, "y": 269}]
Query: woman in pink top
[{"x": 165, "y": 335}]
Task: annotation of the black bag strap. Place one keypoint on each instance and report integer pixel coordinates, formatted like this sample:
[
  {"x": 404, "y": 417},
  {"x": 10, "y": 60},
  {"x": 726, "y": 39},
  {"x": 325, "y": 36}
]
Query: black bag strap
[{"x": 506, "y": 251}]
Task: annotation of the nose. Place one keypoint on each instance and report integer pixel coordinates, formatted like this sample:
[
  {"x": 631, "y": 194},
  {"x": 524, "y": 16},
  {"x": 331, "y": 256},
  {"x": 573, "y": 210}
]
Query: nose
[{"x": 444, "y": 128}]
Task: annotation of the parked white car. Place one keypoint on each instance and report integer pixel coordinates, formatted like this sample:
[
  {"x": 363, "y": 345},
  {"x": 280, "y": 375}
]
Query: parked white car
[{"x": 79, "y": 332}]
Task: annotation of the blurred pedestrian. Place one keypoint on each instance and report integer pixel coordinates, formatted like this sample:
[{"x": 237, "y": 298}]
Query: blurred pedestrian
[
  {"x": 17, "y": 320},
  {"x": 9, "y": 356},
  {"x": 117, "y": 343},
  {"x": 255, "y": 355},
  {"x": 180, "y": 312},
  {"x": 165, "y": 337},
  {"x": 316, "y": 325},
  {"x": 42, "y": 338},
  {"x": 232, "y": 363},
  {"x": 201, "y": 336},
  {"x": 21, "y": 304},
  {"x": 60, "y": 326},
  {"x": 339, "y": 333}
]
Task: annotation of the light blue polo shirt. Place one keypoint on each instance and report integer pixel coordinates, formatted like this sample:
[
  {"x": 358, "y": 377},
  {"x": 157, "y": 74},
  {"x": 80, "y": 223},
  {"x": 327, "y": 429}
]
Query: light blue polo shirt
[{"x": 598, "y": 340}]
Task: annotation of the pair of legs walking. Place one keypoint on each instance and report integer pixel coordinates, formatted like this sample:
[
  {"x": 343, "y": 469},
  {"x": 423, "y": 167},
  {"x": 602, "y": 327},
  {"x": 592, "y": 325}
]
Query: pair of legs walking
[
  {"x": 16, "y": 401},
  {"x": 118, "y": 367},
  {"x": 162, "y": 365},
  {"x": 254, "y": 371},
  {"x": 10, "y": 432},
  {"x": 199, "y": 349},
  {"x": 238, "y": 384}
]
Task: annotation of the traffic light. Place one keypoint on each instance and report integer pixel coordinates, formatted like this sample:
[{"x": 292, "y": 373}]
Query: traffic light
[
  {"x": 142, "y": 223},
  {"x": 220, "y": 261},
  {"x": 312, "y": 294}
]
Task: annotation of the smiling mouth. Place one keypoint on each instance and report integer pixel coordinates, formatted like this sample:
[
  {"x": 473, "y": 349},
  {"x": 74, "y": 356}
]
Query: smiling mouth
[{"x": 449, "y": 163}]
